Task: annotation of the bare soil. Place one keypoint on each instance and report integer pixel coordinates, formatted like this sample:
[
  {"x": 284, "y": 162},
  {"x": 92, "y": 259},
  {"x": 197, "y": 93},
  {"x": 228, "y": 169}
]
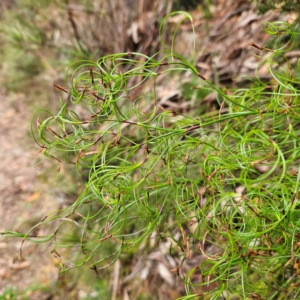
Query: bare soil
[{"x": 24, "y": 200}]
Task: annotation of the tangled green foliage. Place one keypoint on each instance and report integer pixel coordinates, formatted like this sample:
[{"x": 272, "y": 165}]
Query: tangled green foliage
[
  {"x": 284, "y": 6},
  {"x": 152, "y": 172}
]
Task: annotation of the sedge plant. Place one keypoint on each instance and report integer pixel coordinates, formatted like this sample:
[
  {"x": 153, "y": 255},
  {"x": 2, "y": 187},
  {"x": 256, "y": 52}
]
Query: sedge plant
[{"x": 151, "y": 172}]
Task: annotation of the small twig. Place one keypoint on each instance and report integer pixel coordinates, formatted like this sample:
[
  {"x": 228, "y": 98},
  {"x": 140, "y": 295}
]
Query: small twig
[
  {"x": 260, "y": 48},
  {"x": 61, "y": 88},
  {"x": 91, "y": 74},
  {"x": 99, "y": 98},
  {"x": 201, "y": 76},
  {"x": 53, "y": 132},
  {"x": 37, "y": 229}
]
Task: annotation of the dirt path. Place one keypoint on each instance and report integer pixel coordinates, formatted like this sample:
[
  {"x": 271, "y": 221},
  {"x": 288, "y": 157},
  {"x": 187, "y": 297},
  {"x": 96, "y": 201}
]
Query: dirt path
[{"x": 24, "y": 201}]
